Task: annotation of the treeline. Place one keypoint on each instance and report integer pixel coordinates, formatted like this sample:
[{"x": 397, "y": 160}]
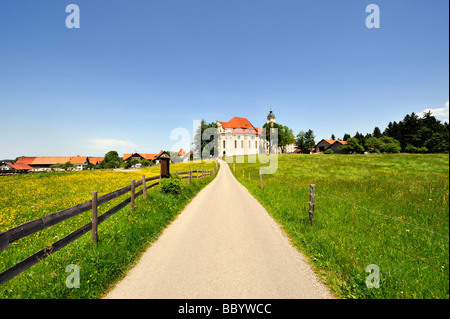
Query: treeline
[
  {"x": 413, "y": 134},
  {"x": 113, "y": 160}
]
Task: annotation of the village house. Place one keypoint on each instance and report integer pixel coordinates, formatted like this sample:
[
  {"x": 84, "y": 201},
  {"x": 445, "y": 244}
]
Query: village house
[
  {"x": 15, "y": 167},
  {"x": 333, "y": 145},
  {"x": 44, "y": 163},
  {"x": 184, "y": 156},
  {"x": 95, "y": 160},
  {"x": 141, "y": 156}
]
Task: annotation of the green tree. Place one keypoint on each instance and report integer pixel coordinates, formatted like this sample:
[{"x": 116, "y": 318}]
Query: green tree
[
  {"x": 134, "y": 161},
  {"x": 374, "y": 145},
  {"x": 112, "y": 160},
  {"x": 67, "y": 165},
  {"x": 390, "y": 145},
  {"x": 146, "y": 163},
  {"x": 346, "y": 137},
  {"x": 438, "y": 143},
  {"x": 353, "y": 146},
  {"x": 201, "y": 141},
  {"x": 285, "y": 134},
  {"x": 376, "y": 132},
  {"x": 305, "y": 141}
]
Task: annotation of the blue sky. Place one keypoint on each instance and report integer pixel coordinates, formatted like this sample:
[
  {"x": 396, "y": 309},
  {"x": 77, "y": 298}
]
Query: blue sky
[{"x": 136, "y": 70}]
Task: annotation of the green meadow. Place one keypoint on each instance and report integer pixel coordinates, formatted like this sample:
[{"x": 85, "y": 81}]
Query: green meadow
[
  {"x": 391, "y": 211},
  {"x": 122, "y": 238}
]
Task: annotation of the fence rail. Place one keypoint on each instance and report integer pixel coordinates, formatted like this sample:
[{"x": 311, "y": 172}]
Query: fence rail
[{"x": 9, "y": 236}]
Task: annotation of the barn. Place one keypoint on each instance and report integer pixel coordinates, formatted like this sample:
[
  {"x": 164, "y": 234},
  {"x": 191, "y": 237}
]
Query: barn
[{"x": 333, "y": 145}]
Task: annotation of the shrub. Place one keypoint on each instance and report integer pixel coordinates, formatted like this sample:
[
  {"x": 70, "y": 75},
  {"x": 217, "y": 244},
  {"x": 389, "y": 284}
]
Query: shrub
[
  {"x": 411, "y": 149},
  {"x": 329, "y": 151},
  {"x": 171, "y": 185}
]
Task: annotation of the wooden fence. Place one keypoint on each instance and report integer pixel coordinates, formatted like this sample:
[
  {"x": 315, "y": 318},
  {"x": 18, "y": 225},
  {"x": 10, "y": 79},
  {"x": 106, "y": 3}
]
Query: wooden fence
[{"x": 9, "y": 236}]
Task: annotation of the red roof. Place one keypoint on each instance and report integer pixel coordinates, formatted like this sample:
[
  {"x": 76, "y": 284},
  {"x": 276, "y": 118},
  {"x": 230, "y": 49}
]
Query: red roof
[
  {"x": 25, "y": 159},
  {"x": 334, "y": 141},
  {"x": 147, "y": 156},
  {"x": 50, "y": 160},
  {"x": 78, "y": 159},
  {"x": 239, "y": 125},
  {"x": 95, "y": 160},
  {"x": 20, "y": 166}
]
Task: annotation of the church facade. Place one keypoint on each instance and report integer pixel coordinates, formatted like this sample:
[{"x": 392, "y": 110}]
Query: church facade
[{"x": 239, "y": 136}]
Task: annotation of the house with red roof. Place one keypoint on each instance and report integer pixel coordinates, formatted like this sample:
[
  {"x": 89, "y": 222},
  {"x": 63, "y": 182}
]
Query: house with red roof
[
  {"x": 239, "y": 136},
  {"x": 333, "y": 145},
  {"x": 16, "y": 167},
  {"x": 141, "y": 156},
  {"x": 44, "y": 163}
]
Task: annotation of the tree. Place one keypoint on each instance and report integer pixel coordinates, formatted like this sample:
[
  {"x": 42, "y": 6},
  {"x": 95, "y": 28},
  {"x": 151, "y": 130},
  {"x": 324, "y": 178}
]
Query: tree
[
  {"x": 111, "y": 160},
  {"x": 285, "y": 134},
  {"x": 67, "y": 165},
  {"x": 146, "y": 163},
  {"x": 415, "y": 133},
  {"x": 134, "y": 162},
  {"x": 376, "y": 132},
  {"x": 305, "y": 141},
  {"x": 200, "y": 141},
  {"x": 361, "y": 139},
  {"x": 374, "y": 145},
  {"x": 346, "y": 137},
  {"x": 438, "y": 143},
  {"x": 390, "y": 145},
  {"x": 352, "y": 146}
]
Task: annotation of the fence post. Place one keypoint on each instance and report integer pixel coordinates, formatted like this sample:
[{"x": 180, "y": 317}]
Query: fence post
[
  {"x": 132, "y": 195},
  {"x": 312, "y": 196},
  {"x": 144, "y": 187},
  {"x": 197, "y": 174},
  {"x": 243, "y": 173},
  {"x": 260, "y": 179},
  {"x": 249, "y": 176},
  {"x": 190, "y": 176},
  {"x": 94, "y": 235}
]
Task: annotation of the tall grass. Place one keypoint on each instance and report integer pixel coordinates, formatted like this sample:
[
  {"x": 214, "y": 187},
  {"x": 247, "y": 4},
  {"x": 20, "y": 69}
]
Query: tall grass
[
  {"x": 122, "y": 237},
  {"x": 387, "y": 210}
]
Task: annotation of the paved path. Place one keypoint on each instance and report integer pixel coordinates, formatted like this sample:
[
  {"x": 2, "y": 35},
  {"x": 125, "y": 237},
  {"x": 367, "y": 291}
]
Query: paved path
[{"x": 223, "y": 245}]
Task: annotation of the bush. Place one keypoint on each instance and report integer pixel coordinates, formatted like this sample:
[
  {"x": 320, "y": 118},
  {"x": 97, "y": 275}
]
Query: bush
[
  {"x": 329, "y": 151},
  {"x": 171, "y": 185},
  {"x": 146, "y": 163},
  {"x": 411, "y": 149}
]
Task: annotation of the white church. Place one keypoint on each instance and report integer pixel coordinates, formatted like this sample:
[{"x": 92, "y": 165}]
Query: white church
[{"x": 239, "y": 137}]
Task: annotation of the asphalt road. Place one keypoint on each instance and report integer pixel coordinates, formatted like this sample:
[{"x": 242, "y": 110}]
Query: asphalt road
[{"x": 223, "y": 245}]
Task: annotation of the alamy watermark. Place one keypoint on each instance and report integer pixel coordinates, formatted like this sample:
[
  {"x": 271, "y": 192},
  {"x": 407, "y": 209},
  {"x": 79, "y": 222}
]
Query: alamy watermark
[
  {"x": 73, "y": 279},
  {"x": 373, "y": 19},
  {"x": 373, "y": 280},
  {"x": 73, "y": 19}
]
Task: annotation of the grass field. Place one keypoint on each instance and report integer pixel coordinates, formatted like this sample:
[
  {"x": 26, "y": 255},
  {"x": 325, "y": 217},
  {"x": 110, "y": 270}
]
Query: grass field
[
  {"x": 387, "y": 210},
  {"x": 122, "y": 238}
]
